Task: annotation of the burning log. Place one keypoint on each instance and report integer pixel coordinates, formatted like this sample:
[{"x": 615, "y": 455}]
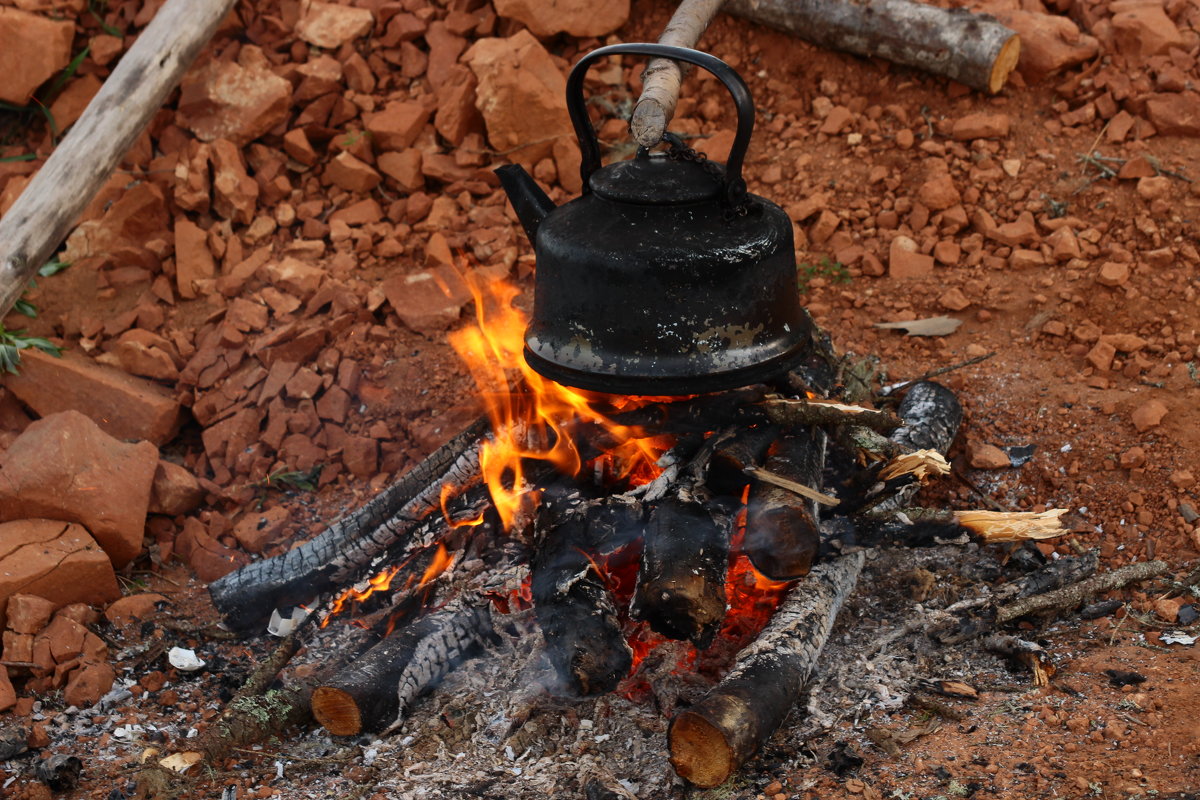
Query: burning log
[
  {"x": 782, "y": 537},
  {"x": 746, "y": 449},
  {"x": 573, "y": 606},
  {"x": 681, "y": 584},
  {"x": 373, "y": 693},
  {"x": 713, "y": 738},
  {"x": 793, "y": 414},
  {"x": 246, "y": 597}
]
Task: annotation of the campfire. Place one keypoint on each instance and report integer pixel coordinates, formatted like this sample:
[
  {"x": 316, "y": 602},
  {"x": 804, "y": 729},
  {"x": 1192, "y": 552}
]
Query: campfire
[{"x": 625, "y": 523}]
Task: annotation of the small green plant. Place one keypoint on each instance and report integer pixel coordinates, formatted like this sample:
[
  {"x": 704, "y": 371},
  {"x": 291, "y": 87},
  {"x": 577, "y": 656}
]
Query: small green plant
[
  {"x": 833, "y": 271},
  {"x": 13, "y": 342},
  {"x": 958, "y": 790},
  {"x": 287, "y": 480},
  {"x": 304, "y": 480}
]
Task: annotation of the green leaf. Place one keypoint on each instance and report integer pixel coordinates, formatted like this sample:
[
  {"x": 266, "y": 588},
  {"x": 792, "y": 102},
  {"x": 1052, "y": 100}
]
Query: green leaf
[
  {"x": 9, "y": 359},
  {"x": 61, "y": 80},
  {"x": 25, "y": 307},
  {"x": 98, "y": 7},
  {"x": 22, "y": 157},
  {"x": 53, "y": 268}
]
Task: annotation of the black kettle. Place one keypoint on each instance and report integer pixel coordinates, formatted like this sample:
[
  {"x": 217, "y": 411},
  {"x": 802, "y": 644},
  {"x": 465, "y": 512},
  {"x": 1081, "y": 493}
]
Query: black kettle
[{"x": 665, "y": 277}]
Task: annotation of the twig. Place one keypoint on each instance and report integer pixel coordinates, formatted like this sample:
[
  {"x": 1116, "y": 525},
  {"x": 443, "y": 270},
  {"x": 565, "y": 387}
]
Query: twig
[
  {"x": 297, "y": 759},
  {"x": 975, "y": 491},
  {"x": 933, "y": 373},
  {"x": 1075, "y": 594},
  {"x": 798, "y": 488}
]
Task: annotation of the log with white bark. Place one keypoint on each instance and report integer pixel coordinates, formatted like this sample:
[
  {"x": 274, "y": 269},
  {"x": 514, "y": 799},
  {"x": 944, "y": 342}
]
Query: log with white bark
[
  {"x": 662, "y": 76},
  {"x": 710, "y": 740},
  {"x": 49, "y": 206},
  {"x": 973, "y": 49}
]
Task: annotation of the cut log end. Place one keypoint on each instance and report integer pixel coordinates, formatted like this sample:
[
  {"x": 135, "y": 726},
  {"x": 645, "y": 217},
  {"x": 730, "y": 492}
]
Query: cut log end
[
  {"x": 700, "y": 753},
  {"x": 688, "y": 607},
  {"x": 783, "y": 546},
  {"x": 336, "y": 710},
  {"x": 1005, "y": 63}
]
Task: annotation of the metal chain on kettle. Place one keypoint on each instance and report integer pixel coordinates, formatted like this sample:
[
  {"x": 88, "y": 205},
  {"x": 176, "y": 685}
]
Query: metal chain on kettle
[{"x": 678, "y": 151}]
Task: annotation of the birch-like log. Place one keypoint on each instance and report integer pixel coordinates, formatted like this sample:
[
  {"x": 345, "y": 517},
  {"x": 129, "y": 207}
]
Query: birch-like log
[
  {"x": 973, "y": 49},
  {"x": 46, "y": 211},
  {"x": 662, "y": 76},
  {"x": 710, "y": 740}
]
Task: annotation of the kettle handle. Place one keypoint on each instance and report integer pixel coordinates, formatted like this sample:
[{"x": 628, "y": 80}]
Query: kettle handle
[{"x": 589, "y": 146}]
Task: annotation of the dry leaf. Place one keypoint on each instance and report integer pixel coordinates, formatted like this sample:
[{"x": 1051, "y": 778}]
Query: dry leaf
[
  {"x": 181, "y": 762},
  {"x": 933, "y": 326}
]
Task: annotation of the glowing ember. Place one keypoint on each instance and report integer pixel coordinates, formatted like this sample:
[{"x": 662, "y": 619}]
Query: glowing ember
[{"x": 532, "y": 417}]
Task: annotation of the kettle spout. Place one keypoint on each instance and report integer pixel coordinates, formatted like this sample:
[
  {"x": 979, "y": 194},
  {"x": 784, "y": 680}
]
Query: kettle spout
[{"x": 527, "y": 198}]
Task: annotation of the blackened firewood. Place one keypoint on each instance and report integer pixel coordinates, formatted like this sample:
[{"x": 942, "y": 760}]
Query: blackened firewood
[
  {"x": 698, "y": 414},
  {"x": 572, "y": 603},
  {"x": 1054, "y": 575},
  {"x": 782, "y": 537},
  {"x": 247, "y": 596},
  {"x": 681, "y": 584},
  {"x": 746, "y": 448},
  {"x": 710, "y": 740},
  {"x": 372, "y": 694},
  {"x": 931, "y": 414},
  {"x": 614, "y": 522}
]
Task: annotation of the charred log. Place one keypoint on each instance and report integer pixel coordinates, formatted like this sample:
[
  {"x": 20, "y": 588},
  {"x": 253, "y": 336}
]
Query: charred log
[
  {"x": 572, "y": 603},
  {"x": 745, "y": 449},
  {"x": 782, "y": 536},
  {"x": 681, "y": 584},
  {"x": 713, "y": 738},
  {"x": 374, "y": 692},
  {"x": 335, "y": 557}
]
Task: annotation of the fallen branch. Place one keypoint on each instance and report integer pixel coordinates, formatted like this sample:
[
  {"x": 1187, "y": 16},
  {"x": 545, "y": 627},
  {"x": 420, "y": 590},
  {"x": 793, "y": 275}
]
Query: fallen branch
[
  {"x": 973, "y": 49},
  {"x": 47, "y": 209},
  {"x": 1078, "y": 593},
  {"x": 662, "y": 77},
  {"x": 710, "y": 740}
]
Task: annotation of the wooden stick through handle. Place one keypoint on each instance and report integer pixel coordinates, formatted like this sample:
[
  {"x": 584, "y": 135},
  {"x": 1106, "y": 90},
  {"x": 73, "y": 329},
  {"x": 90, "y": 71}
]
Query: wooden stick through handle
[{"x": 662, "y": 76}]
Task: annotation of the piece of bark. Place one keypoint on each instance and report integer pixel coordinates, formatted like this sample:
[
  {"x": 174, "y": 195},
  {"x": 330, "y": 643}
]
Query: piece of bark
[
  {"x": 973, "y": 49},
  {"x": 572, "y": 603},
  {"x": 714, "y": 737},
  {"x": 681, "y": 584},
  {"x": 336, "y": 557},
  {"x": 47, "y": 209},
  {"x": 782, "y": 537},
  {"x": 662, "y": 77},
  {"x": 373, "y": 693}
]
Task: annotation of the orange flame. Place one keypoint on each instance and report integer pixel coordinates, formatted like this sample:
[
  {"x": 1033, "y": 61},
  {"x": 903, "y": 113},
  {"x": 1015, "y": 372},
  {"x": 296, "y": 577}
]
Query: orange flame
[
  {"x": 441, "y": 561},
  {"x": 533, "y": 417}
]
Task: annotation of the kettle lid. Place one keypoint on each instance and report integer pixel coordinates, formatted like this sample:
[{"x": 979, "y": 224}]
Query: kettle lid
[{"x": 658, "y": 179}]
